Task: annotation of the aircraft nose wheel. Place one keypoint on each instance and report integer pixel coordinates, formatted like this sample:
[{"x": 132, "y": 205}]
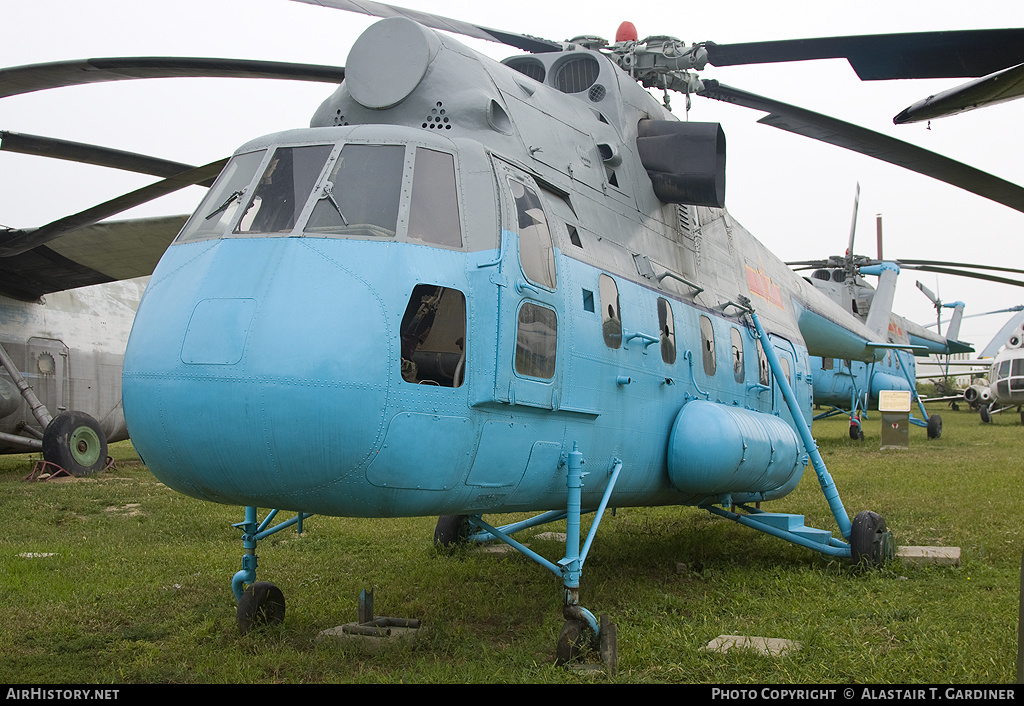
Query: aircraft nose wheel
[
  {"x": 261, "y": 605},
  {"x": 871, "y": 544},
  {"x": 576, "y": 638}
]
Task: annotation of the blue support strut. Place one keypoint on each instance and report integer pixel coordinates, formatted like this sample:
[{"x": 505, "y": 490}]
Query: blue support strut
[{"x": 828, "y": 486}]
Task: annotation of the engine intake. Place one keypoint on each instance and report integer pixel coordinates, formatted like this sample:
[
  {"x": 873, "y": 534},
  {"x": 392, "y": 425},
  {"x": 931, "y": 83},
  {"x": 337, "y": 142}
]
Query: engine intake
[{"x": 685, "y": 161}]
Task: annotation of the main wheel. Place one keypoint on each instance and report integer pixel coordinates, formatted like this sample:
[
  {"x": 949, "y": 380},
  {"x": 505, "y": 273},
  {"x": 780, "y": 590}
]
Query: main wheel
[
  {"x": 262, "y": 604},
  {"x": 986, "y": 416},
  {"x": 870, "y": 542},
  {"x": 75, "y": 442},
  {"x": 934, "y": 426},
  {"x": 451, "y": 530}
]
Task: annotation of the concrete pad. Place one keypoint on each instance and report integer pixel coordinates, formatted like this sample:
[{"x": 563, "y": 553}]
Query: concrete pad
[
  {"x": 498, "y": 549},
  {"x": 769, "y": 646},
  {"x": 936, "y": 556},
  {"x": 555, "y": 536},
  {"x": 394, "y": 634}
]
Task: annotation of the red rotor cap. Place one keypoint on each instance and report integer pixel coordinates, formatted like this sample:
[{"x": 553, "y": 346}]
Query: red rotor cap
[{"x": 626, "y": 33}]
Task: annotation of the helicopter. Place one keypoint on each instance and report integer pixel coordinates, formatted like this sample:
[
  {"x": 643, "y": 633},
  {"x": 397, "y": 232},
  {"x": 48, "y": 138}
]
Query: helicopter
[
  {"x": 850, "y": 387},
  {"x": 1003, "y": 388},
  {"x": 464, "y": 283}
]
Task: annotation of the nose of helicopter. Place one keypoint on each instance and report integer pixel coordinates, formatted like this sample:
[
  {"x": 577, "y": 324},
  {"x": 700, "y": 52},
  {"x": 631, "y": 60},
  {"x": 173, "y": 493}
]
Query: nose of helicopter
[{"x": 266, "y": 383}]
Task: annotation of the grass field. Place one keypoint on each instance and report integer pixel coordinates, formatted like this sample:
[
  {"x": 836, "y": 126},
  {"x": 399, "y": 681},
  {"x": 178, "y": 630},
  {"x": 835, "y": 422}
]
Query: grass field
[{"x": 116, "y": 579}]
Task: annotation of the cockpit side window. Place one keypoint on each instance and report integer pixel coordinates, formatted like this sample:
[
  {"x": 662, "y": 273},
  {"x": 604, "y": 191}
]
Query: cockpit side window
[
  {"x": 434, "y": 211},
  {"x": 283, "y": 189},
  {"x": 218, "y": 209},
  {"x": 536, "y": 251},
  {"x": 361, "y": 195},
  {"x": 433, "y": 337}
]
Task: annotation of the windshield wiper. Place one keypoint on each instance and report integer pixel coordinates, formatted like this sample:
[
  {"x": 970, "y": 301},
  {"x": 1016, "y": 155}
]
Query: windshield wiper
[
  {"x": 328, "y": 193},
  {"x": 227, "y": 202}
]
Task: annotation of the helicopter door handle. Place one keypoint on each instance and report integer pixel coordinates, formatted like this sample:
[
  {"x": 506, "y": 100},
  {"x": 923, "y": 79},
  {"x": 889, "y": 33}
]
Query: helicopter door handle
[
  {"x": 646, "y": 337},
  {"x": 522, "y": 286}
]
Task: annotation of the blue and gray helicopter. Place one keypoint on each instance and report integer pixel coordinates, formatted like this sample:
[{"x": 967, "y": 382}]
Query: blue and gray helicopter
[{"x": 473, "y": 287}]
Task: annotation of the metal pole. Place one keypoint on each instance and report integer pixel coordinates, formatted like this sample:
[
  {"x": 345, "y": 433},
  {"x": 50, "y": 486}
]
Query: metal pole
[
  {"x": 39, "y": 410},
  {"x": 828, "y": 486}
]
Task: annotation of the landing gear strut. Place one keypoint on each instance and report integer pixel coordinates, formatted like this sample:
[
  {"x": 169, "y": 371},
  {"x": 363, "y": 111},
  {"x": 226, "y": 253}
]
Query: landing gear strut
[{"x": 581, "y": 630}]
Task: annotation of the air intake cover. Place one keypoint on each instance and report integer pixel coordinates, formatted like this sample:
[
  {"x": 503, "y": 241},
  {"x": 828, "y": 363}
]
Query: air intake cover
[{"x": 685, "y": 161}]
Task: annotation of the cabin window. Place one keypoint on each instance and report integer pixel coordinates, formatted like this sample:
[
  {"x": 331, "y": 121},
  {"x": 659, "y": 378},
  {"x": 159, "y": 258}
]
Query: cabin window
[
  {"x": 611, "y": 324},
  {"x": 738, "y": 373},
  {"x": 433, "y": 337},
  {"x": 283, "y": 190},
  {"x": 784, "y": 362},
  {"x": 764, "y": 375},
  {"x": 218, "y": 209},
  {"x": 536, "y": 341},
  {"x": 668, "y": 331},
  {"x": 827, "y": 363},
  {"x": 1017, "y": 379},
  {"x": 360, "y": 197},
  {"x": 434, "y": 211},
  {"x": 707, "y": 338},
  {"x": 536, "y": 252}
]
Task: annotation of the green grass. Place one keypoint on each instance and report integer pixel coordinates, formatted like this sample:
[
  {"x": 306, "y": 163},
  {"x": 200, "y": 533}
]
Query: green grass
[{"x": 137, "y": 589}]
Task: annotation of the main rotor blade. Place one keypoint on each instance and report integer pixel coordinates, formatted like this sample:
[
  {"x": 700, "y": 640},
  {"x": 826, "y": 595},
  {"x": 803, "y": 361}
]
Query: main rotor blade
[
  {"x": 14, "y": 242},
  {"x": 37, "y": 77},
  {"x": 534, "y": 45},
  {"x": 962, "y": 273},
  {"x": 91, "y": 154},
  {"x": 952, "y": 54},
  {"x": 943, "y": 263},
  {"x": 996, "y": 88},
  {"x": 805, "y": 122}
]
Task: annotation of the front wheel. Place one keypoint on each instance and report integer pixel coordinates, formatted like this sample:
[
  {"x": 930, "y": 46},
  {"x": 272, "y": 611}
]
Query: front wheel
[
  {"x": 262, "y": 604},
  {"x": 75, "y": 442}
]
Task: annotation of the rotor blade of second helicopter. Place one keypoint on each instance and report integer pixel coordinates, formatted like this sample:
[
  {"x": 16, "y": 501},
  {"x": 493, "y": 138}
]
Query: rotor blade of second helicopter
[
  {"x": 837, "y": 132},
  {"x": 16, "y": 242},
  {"x": 90, "y": 154}
]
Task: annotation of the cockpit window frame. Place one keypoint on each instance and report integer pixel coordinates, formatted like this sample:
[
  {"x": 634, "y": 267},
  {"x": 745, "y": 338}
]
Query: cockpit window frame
[{"x": 243, "y": 195}]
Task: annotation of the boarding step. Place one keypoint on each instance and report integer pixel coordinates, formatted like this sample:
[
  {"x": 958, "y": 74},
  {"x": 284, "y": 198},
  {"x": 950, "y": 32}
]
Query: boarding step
[{"x": 793, "y": 524}]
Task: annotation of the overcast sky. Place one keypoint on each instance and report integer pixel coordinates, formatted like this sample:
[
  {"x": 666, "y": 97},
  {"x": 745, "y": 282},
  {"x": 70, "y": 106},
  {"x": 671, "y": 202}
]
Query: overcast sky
[{"x": 793, "y": 194}]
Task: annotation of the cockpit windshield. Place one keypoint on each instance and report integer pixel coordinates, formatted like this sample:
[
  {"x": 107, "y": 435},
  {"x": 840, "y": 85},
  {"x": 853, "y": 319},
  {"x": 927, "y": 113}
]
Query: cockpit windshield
[
  {"x": 353, "y": 190},
  {"x": 218, "y": 209},
  {"x": 283, "y": 189},
  {"x": 361, "y": 195}
]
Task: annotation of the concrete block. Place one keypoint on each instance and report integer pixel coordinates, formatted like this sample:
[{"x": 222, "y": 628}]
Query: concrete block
[
  {"x": 937, "y": 556},
  {"x": 770, "y": 646}
]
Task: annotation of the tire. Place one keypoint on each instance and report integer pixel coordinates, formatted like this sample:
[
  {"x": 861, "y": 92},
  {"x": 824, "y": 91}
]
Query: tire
[
  {"x": 871, "y": 544},
  {"x": 571, "y": 643},
  {"x": 451, "y": 530},
  {"x": 262, "y": 604},
  {"x": 985, "y": 416},
  {"x": 934, "y": 426},
  {"x": 75, "y": 442}
]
